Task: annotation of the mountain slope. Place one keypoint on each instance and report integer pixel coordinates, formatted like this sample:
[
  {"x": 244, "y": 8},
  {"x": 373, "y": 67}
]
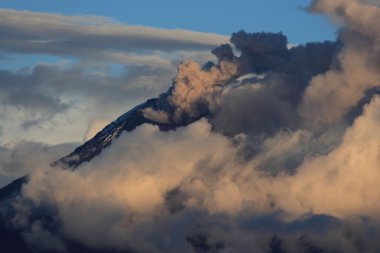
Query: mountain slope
[{"x": 84, "y": 153}]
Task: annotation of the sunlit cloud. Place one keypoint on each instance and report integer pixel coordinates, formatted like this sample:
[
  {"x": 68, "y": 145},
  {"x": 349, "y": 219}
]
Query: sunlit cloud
[{"x": 274, "y": 149}]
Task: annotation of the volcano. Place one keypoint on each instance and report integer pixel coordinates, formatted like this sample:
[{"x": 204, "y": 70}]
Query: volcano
[
  {"x": 254, "y": 151},
  {"x": 188, "y": 100}
]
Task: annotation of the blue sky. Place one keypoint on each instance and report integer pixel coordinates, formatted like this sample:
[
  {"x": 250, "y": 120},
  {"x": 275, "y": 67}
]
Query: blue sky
[{"x": 223, "y": 17}]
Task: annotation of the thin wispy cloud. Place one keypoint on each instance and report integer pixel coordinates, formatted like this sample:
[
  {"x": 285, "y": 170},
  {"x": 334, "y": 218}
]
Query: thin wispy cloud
[{"x": 42, "y": 33}]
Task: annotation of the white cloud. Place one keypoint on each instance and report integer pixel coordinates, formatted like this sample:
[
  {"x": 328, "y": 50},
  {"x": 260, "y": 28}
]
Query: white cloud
[
  {"x": 136, "y": 192},
  {"x": 330, "y": 96}
]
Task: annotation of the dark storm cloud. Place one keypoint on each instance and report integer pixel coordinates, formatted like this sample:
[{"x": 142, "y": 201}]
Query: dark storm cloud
[{"x": 267, "y": 105}]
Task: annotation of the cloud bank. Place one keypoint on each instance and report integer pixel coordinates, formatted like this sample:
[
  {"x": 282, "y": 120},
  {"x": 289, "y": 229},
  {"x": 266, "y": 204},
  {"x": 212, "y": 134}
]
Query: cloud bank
[
  {"x": 279, "y": 153},
  {"x": 103, "y": 66}
]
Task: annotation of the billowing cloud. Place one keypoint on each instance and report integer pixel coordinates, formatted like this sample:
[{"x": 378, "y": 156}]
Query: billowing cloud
[
  {"x": 194, "y": 86},
  {"x": 356, "y": 69},
  {"x": 143, "y": 194},
  {"x": 273, "y": 150}
]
